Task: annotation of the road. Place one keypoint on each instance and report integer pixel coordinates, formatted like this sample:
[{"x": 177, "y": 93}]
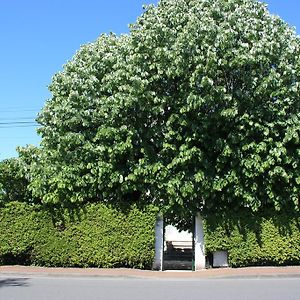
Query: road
[{"x": 89, "y": 288}]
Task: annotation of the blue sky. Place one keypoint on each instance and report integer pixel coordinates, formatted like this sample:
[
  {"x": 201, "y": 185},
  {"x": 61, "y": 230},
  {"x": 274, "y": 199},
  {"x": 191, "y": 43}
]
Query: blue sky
[{"x": 39, "y": 36}]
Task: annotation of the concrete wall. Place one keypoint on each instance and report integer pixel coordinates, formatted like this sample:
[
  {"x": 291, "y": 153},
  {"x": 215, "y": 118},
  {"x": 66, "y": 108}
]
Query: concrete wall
[{"x": 159, "y": 244}]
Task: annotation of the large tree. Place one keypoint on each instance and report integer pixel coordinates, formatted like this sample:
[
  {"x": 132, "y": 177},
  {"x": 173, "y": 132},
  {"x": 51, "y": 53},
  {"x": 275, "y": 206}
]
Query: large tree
[{"x": 198, "y": 108}]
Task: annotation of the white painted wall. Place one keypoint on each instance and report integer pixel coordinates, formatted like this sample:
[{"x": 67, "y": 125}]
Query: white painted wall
[
  {"x": 173, "y": 234},
  {"x": 199, "y": 244},
  {"x": 159, "y": 244}
]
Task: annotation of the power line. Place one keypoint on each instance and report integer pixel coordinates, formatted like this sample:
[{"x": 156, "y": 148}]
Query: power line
[
  {"x": 17, "y": 122},
  {"x": 19, "y": 126},
  {"x": 17, "y": 118},
  {"x": 15, "y": 138},
  {"x": 20, "y": 110}
]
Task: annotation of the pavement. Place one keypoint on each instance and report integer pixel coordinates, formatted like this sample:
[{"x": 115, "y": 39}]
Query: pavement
[{"x": 249, "y": 272}]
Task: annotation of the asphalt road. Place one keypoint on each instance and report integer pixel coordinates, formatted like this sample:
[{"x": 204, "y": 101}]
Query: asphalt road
[{"x": 90, "y": 288}]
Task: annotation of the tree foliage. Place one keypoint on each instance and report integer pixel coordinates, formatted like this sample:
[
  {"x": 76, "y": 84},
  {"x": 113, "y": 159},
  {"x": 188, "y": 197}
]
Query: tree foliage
[
  {"x": 15, "y": 176},
  {"x": 197, "y": 108},
  {"x": 12, "y": 182}
]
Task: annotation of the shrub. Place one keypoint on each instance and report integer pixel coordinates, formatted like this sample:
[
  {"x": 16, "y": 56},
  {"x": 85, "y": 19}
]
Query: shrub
[
  {"x": 96, "y": 236},
  {"x": 255, "y": 239},
  {"x": 18, "y": 229}
]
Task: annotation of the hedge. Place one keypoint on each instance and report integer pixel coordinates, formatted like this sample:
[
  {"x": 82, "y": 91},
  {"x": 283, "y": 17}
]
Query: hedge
[
  {"x": 95, "y": 236},
  {"x": 102, "y": 236},
  {"x": 255, "y": 239}
]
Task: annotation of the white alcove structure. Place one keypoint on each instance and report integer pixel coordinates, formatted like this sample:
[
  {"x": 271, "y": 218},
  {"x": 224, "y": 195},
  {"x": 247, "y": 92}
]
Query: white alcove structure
[{"x": 199, "y": 250}]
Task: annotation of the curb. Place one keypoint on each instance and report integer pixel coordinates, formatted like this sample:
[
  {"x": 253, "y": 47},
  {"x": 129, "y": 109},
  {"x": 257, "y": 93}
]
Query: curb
[{"x": 222, "y": 273}]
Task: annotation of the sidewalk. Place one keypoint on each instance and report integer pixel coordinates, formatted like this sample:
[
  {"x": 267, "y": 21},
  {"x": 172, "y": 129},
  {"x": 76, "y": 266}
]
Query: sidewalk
[{"x": 255, "y": 272}]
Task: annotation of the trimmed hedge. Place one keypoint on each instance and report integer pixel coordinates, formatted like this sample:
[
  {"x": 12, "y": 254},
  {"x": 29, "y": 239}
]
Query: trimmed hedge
[
  {"x": 255, "y": 239},
  {"x": 101, "y": 236},
  {"x": 95, "y": 236}
]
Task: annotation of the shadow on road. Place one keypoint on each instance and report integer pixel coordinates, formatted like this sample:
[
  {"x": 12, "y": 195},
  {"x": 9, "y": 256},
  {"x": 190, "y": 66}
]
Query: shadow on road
[{"x": 13, "y": 282}]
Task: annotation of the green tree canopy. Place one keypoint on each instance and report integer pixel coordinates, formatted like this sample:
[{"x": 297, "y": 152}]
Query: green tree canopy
[
  {"x": 13, "y": 185},
  {"x": 15, "y": 176},
  {"x": 197, "y": 108}
]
